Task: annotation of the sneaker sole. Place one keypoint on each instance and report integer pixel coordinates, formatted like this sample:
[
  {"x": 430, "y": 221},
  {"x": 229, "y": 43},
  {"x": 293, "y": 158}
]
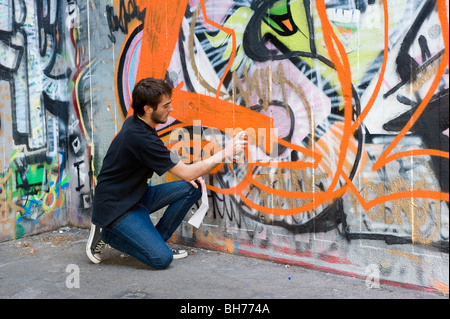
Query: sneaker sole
[
  {"x": 91, "y": 256},
  {"x": 180, "y": 256}
]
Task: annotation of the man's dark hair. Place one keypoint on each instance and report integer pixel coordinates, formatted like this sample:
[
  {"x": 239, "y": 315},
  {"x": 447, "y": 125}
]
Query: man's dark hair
[{"x": 149, "y": 91}]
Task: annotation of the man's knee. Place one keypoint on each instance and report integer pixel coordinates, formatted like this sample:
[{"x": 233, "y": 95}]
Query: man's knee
[{"x": 162, "y": 262}]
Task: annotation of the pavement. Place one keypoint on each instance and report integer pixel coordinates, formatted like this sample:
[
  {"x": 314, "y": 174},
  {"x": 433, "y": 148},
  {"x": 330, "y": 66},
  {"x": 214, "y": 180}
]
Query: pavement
[{"x": 53, "y": 265}]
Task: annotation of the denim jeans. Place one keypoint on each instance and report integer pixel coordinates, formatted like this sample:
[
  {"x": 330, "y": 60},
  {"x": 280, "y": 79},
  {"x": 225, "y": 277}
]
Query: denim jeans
[{"x": 136, "y": 235}]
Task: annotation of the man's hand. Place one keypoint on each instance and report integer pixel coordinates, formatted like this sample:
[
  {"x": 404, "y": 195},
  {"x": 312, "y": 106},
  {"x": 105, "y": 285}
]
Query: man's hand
[
  {"x": 236, "y": 145},
  {"x": 200, "y": 181},
  {"x": 189, "y": 172}
]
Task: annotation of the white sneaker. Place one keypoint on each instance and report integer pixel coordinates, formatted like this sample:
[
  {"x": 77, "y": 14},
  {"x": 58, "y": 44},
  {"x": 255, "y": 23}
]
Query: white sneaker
[
  {"x": 179, "y": 253},
  {"x": 95, "y": 245}
]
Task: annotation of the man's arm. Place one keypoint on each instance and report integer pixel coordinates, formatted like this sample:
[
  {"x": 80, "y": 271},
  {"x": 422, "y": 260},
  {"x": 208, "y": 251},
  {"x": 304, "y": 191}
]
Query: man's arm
[{"x": 190, "y": 172}]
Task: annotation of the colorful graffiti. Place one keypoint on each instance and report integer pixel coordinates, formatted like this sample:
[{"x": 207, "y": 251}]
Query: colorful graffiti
[
  {"x": 345, "y": 103},
  {"x": 319, "y": 74},
  {"x": 38, "y": 60},
  {"x": 349, "y": 87}
]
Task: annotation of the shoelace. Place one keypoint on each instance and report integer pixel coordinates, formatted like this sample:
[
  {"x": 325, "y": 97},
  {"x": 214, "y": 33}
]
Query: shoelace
[{"x": 99, "y": 247}]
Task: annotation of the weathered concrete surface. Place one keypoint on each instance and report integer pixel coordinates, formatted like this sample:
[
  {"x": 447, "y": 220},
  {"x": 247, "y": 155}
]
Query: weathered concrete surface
[{"x": 44, "y": 266}]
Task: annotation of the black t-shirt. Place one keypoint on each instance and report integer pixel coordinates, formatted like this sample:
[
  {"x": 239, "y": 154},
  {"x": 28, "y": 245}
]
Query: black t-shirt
[{"x": 134, "y": 154}]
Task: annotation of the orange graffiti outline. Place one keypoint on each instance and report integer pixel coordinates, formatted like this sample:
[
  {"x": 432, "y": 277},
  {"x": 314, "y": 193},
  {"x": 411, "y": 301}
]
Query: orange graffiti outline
[
  {"x": 344, "y": 75},
  {"x": 233, "y": 42},
  {"x": 376, "y": 91},
  {"x": 383, "y": 158}
]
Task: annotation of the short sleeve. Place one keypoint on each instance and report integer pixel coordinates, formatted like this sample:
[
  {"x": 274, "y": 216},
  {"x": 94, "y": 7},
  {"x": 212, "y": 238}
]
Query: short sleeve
[{"x": 157, "y": 157}]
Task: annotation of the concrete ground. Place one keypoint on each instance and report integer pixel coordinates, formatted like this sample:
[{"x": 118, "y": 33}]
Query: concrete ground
[{"x": 53, "y": 265}]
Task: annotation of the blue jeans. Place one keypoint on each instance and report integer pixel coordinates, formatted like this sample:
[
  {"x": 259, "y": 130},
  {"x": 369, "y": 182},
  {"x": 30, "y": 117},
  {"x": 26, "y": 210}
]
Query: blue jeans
[{"x": 136, "y": 235}]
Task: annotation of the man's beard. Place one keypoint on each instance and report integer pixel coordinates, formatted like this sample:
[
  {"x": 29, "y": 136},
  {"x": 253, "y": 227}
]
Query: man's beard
[{"x": 157, "y": 118}]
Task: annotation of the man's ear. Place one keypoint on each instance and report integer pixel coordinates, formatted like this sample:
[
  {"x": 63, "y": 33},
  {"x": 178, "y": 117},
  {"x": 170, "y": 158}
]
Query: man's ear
[{"x": 148, "y": 109}]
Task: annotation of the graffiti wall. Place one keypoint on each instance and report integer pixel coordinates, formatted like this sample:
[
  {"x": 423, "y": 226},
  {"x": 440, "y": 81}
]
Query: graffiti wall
[{"x": 345, "y": 103}]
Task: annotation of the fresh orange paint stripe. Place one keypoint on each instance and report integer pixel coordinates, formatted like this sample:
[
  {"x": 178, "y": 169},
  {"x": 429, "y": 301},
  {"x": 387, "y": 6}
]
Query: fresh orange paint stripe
[
  {"x": 233, "y": 43},
  {"x": 160, "y": 34},
  {"x": 374, "y": 95},
  {"x": 343, "y": 70}
]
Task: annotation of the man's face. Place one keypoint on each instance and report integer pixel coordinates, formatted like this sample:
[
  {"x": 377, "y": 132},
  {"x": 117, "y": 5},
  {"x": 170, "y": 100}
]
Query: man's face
[{"x": 161, "y": 114}]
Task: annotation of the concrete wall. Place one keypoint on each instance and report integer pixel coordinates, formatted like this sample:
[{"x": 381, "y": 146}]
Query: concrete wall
[{"x": 345, "y": 102}]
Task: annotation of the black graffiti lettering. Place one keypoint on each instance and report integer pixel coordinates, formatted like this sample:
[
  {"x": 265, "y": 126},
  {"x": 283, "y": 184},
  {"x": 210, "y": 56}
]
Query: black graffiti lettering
[
  {"x": 120, "y": 21},
  {"x": 77, "y": 165},
  {"x": 407, "y": 67}
]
